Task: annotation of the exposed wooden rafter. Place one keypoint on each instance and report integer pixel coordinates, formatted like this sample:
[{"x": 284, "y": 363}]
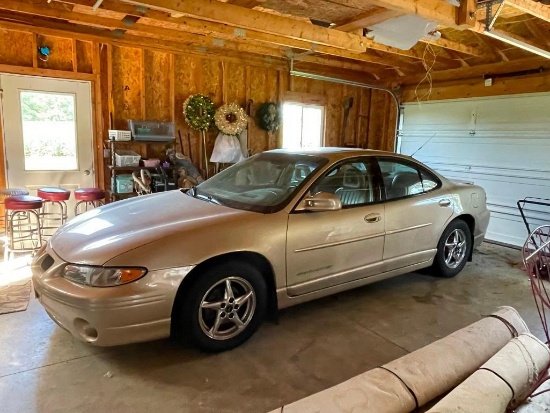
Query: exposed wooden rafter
[
  {"x": 180, "y": 28},
  {"x": 224, "y": 13},
  {"x": 213, "y": 10},
  {"x": 533, "y": 8}
]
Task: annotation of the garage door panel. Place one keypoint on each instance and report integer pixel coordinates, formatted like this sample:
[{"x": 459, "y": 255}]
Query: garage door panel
[
  {"x": 505, "y": 149},
  {"x": 534, "y": 112}
]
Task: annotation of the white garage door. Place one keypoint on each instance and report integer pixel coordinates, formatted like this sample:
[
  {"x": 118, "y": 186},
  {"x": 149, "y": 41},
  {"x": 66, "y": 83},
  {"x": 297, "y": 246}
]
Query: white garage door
[{"x": 502, "y": 144}]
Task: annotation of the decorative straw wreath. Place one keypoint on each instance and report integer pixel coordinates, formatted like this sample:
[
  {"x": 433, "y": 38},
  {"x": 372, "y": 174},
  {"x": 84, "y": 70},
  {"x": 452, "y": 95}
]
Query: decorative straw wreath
[
  {"x": 269, "y": 117},
  {"x": 199, "y": 112},
  {"x": 230, "y": 119}
]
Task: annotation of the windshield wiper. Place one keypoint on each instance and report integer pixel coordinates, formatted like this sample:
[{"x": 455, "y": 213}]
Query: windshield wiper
[{"x": 208, "y": 198}]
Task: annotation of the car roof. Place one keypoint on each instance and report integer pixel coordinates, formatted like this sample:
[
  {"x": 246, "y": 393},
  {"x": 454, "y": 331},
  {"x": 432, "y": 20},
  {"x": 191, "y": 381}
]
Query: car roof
[{"x": 336, "y": 154}]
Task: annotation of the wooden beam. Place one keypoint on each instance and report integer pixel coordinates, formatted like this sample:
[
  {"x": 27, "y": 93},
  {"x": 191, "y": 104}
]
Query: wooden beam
[
  {"x": 67, "y": 30},
  {"x": 466, "y": 13},
  {"x": 367, "y": 19},
  {"x": 159, "y": 23},
  {"x": 224, "y": 13},
  {"x": 58, "y": 74},
  {"x": 452, "y": 45},
  {"x": 493, "y": 49},
  {"x": 191, "y": 39},
  {"x": 249, "y": 4},
  {"x": 216, "y": 11},
  {"x": 479, "y": 71},
  {"x": 98, "y": 117},
  {"x": 73, "y": 55},
  {"x": 34, "y": 51},
  {"x": 463, "y": 62},
  {"x": 475, "y": 87},
  {"x": 539, "y": 10}
]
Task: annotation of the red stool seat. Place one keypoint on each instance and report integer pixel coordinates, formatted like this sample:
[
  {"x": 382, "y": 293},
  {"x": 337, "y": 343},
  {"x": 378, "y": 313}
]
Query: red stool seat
[
  {"x": 89, "y": 194},
  {"x": 22, "y": 202},
  {"x": 54, "y": 194}
]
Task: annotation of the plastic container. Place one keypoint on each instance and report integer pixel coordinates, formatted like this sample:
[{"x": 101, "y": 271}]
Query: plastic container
[
  {"x": 144, "y": 130},
  {"x": 151, "y": 163},
  {"x": 127, "y": 158},
  {"x": 120, "y": 135},
  {"x": 124, "y": 184}
]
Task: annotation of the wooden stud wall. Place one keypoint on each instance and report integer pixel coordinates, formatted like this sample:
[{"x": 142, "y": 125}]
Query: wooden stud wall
[{"x": 142, "y": 83}]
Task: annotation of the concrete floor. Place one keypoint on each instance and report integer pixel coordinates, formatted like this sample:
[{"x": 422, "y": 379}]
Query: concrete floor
[{"x": 314, "y": 346}]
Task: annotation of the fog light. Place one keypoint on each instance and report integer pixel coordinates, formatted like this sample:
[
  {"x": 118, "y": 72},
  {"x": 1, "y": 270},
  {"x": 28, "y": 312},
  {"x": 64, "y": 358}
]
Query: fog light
[{"x": 85, "y": 330}]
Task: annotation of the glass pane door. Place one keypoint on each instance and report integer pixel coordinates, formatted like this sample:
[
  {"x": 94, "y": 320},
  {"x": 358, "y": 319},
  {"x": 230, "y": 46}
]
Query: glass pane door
[{"x": 49, "y": 131}]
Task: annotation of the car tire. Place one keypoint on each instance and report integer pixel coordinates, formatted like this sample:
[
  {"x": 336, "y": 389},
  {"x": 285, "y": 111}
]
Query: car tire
[
  {"x": 453, "y": 250},
  {"x": 215, "y": 314}
]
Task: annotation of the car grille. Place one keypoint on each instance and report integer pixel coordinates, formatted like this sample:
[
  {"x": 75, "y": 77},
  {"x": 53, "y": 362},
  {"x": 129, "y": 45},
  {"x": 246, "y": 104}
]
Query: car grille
[{"x": 47, "y": 262}]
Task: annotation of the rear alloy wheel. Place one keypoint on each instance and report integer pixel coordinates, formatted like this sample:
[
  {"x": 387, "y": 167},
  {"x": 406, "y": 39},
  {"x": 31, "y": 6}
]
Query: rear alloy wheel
[
  {"x": 224, "y": 307},
  {"x": 453, "y": 250}
]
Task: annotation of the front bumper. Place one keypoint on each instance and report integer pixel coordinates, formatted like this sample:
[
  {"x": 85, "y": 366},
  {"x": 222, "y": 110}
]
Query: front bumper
[{"x": 135, "y": 312}]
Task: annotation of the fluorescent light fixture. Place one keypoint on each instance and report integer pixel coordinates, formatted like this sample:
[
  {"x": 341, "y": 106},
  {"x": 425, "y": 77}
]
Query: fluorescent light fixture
[{"x": 518, "y": 43}]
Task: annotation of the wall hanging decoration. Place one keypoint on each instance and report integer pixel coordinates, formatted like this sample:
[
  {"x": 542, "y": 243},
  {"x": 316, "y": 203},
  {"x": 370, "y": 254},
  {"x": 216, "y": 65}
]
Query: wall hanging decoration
[
  {"x": 231, "y": 120},
  {"x": 269, "y": 119},
  {"x": 199, "y": 113}
]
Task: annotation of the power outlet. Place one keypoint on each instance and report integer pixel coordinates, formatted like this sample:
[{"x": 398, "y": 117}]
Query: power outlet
[{"x": 489, "y": 81}]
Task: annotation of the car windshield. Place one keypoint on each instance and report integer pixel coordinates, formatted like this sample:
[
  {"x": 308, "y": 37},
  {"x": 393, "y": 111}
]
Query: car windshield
[{"x": 263, "y": 183}]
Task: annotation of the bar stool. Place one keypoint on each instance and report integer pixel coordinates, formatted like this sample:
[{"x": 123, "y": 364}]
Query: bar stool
[
  {"x": 23, "y": 227},
  {"x": 5, "y": 193},
  {"x": 54, "y": 209},
  {"x": 88, "y": 198}
]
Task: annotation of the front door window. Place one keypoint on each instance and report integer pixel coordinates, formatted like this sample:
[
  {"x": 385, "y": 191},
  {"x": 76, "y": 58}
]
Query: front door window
[{"x": 49, "y": 131}]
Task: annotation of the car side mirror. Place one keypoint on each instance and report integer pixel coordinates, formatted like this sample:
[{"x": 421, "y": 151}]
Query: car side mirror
[{"x": 321, "y": 201}]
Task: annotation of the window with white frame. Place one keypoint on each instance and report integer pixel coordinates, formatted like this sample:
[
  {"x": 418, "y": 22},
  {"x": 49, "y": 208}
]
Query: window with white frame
[{"x": 303, "y": 125}]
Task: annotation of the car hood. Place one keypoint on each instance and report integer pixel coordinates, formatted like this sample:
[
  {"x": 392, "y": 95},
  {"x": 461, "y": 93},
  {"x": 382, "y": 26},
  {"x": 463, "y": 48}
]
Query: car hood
[{"x": 106, "y": 232}]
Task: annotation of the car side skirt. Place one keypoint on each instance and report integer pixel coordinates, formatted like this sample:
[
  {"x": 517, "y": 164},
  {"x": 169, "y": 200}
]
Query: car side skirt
[{"x": 285, "y": 300}]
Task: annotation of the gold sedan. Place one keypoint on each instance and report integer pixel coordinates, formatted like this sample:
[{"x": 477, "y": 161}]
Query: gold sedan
[{"x": 275, "y": 230}]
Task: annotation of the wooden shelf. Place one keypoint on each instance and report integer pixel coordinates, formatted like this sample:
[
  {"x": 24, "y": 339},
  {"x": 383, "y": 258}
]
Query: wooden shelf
[
  {"x": 121, "y": 196},
  {"x": 147, "y": 142},
  {"x": 137, "y": 168}
]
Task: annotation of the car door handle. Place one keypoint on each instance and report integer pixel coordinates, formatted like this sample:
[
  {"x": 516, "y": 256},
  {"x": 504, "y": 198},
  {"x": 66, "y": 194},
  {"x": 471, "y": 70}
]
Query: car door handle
[
  {"x": 444, "y": 202},
  {"x": 371, "y": 218}
]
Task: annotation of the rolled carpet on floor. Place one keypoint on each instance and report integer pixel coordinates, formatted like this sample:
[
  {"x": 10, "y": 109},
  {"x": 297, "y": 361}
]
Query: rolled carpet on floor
[
  {"x": 423, "y": 375},
  {"x": 508, "y": 377}
]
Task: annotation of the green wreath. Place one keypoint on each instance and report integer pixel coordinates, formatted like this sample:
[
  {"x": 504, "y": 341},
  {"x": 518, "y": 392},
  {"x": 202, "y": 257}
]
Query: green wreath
[
  {"x": 269, "y": 116},
  {"x": 199, "y": 112}
]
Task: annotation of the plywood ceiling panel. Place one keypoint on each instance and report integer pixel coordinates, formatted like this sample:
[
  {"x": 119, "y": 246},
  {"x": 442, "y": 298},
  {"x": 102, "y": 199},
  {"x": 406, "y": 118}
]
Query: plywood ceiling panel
[{"x": 314, "y": 9}]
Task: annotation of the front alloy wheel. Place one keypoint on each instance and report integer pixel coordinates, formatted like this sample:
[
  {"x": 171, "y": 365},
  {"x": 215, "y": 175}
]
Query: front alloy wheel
[
  {"x": 222, "y": 308},
  {"x": 227, "y": 308}
]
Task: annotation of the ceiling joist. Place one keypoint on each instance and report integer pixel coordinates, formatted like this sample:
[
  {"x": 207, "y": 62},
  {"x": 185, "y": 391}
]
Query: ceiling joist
[
  {"x": 538, "y": 10},
  {"x": 213, "y": 10}
]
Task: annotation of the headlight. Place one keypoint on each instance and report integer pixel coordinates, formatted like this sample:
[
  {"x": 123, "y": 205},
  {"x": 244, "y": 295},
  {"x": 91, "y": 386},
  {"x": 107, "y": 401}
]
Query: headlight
[{"x": 102, "y": 276}]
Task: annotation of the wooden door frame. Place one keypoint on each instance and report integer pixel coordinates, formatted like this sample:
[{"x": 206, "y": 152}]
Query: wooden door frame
[{"x": 97, "y": 121}]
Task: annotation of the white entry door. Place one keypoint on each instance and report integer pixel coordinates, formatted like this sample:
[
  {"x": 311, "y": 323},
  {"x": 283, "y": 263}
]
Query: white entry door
[{"x": 48, "y": 133}]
